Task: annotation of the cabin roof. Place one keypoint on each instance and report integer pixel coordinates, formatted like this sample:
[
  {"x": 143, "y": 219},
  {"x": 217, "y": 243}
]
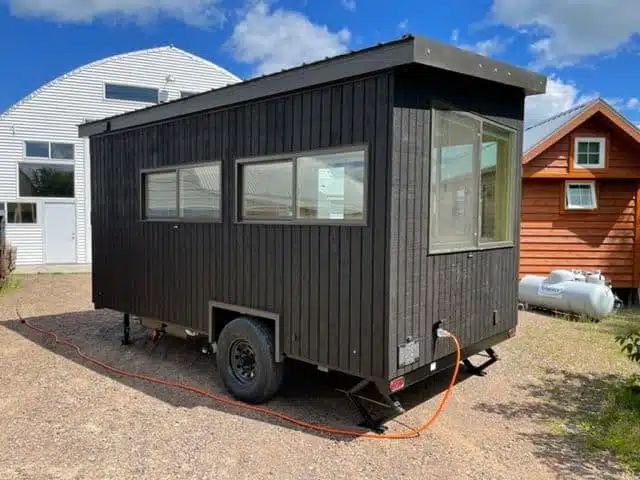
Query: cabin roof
[
  {"x": 542, "y": 135},
  {"x": 406, "y": 50}
]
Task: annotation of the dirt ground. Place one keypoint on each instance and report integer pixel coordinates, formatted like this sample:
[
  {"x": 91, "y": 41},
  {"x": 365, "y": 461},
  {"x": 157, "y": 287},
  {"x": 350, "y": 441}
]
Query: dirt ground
[{"x": 64, "y": 418}]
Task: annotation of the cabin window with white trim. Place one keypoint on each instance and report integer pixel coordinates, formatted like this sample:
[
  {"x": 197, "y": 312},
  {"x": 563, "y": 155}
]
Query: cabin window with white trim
[
  {"x": 472, "y": 183},
  {"x": 589, "y": 152},
  {"x": 21, "y": 212},
  {"x": 55, "y": 180},
  {"x": 190, "y": 192},
  {"x": 131, "y": 93},
  {"x": 49, "y": 150},
  {"x": 580, "y": 195}
]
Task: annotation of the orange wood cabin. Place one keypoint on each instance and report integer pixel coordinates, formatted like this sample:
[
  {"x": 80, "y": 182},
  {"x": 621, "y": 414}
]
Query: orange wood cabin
[{"x": 581, "y": 195}]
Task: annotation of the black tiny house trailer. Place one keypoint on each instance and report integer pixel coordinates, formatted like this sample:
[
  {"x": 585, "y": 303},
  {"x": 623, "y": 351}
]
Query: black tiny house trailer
[{"x": 342, "y": 209}]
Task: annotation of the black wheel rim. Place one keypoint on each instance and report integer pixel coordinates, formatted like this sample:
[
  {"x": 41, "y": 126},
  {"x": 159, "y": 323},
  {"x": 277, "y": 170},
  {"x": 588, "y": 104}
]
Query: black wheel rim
[{"x": 242, "y": 360}]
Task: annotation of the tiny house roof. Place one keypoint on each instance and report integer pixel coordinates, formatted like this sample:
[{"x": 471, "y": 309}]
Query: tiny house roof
[
  {"x": 407, "y": 50},
  {"x": 540, "y": 136}
]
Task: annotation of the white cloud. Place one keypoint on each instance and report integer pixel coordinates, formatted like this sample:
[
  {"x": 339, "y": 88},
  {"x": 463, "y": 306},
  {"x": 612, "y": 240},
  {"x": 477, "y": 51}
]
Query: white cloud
[
  {"x": 278, "y": 39},
  {"x": 492, "y": 46},
  {"x": 194, "y": 12},
  {"x": 455, "y": 35},
  {"x": 633, "y": 103},
  {"x": 571, "y": 30},
  {"x": 560, "y": 96},
  {"x": 404, "y": 25},
  {"x": 349, "y": 4}
]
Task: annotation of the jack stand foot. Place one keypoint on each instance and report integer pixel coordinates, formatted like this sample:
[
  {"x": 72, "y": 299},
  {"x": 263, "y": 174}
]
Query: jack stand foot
[
  {"x": 126, "y": 324},
  {"x": 157, "y": 334},
  {"x": 369, "y": 422},
  {"x": 479, "y": 370}
]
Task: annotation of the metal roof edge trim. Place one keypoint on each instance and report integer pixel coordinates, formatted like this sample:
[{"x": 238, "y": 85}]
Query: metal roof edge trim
[
  {"x": 443, "y": 56},
  {"x": 409, "y": 49}
]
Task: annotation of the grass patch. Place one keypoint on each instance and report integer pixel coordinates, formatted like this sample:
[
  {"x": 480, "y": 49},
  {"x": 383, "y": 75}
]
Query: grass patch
[
  {"x": 616, "y": 427},
  {"x": 12, "y": 282}
]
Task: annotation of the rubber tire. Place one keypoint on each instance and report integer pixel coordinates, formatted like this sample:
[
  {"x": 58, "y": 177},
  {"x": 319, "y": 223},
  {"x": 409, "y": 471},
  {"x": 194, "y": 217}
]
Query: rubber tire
[{"x": 269, "y": 373}]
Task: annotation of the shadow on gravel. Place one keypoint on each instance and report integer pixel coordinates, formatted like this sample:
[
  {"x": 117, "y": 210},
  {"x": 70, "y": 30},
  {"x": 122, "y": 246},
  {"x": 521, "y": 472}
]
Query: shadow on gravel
[
  {"x": 561, "y": 401},
  {"x": 307, "y": 394}
]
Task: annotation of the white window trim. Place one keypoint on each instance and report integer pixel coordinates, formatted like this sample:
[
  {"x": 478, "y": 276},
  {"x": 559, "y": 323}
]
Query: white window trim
[
  {"x": 592, "y": 186},
  {"x": 107, "y": 99},
  {"x": 600, "y": 140},
  {"x": 48, "y": 158}
]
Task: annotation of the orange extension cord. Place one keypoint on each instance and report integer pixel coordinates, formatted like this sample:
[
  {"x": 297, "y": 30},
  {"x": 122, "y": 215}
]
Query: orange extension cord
[{"x": 411, "y": 433}]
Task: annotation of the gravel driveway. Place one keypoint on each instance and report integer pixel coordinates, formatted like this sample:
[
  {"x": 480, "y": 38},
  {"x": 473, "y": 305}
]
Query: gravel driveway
[{"x": 63, "y": 418}]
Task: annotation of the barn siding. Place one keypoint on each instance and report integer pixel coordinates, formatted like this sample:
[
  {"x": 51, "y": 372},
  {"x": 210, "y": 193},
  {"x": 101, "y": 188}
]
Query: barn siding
[
  {"x": 623, "y": 153},
  {"x": 424, "y": 289},
  {"x": 152, "y": 269},
  {"x": 54, "y": 111},
  {"x": 552, "y": 238}
]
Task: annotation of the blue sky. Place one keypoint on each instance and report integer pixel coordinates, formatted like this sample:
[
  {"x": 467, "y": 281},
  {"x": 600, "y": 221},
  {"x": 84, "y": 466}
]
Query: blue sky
[{"x": 585, "y": 47}]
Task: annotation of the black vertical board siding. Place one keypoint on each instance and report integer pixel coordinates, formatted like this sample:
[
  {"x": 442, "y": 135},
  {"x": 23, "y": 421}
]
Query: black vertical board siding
[
  {"x": 334, "y": 295},
  {"x": 304, "y": 276},
  {"x": 462, "y": 290},
  {"x": 314, "y": 295},
  {"x": 327, "y": 283}
]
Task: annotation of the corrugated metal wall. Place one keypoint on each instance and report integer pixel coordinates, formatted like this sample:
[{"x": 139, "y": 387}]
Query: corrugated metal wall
[
  {"x": 426, "y": 288},
  {"x": 54, "y": 112},
  {"x": 329, "y": 283}
]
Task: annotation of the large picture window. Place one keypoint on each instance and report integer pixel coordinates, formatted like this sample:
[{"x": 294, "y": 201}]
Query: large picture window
[
  {"x": 472, "y": 178},
  {"x": 315, "y": 187},
  {"x": 188, "y": 192},
  {"x": 46, "y": 180}
]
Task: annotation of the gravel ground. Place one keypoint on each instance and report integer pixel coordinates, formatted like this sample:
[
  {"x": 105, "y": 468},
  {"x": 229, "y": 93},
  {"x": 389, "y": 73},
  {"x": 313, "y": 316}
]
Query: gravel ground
[{"x": 64, "y": 418}]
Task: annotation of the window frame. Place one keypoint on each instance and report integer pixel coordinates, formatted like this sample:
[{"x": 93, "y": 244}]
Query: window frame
[
  {"x": 48, "y": 158},
  {"x": 594, "y": 196},
  {"x": 602, "y": 152},
  {"x": 148, "y": 87},
  {"x": 293, "y": 158},
  {"x": 176, "y": 170},
  {"x": 438, "y": 248},
  {"x": 36, "y": 203},
  {"x": 32, "y": 161}
]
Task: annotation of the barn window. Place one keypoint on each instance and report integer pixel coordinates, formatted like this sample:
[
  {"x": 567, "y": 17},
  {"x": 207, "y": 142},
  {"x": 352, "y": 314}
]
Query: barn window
[
  {"x": 21, "y": 212},
  {"x": 589, "y": 152},
  {"x": 580, "y": 195},
  {"x": 472, "y": 178},
  {"x": 46, "y": 180},
  {"x": 36, "y": 149},
  {"x": 130, "y": 93},
  {"x": 50, "y": 150}
]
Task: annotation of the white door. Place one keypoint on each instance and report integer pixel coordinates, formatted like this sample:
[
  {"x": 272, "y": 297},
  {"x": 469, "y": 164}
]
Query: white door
[{"x": 60, "y": 232}]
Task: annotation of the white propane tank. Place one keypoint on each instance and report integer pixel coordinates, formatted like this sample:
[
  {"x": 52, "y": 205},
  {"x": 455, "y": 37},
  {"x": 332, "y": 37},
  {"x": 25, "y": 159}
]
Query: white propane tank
[{"x": 560, "y": 292}]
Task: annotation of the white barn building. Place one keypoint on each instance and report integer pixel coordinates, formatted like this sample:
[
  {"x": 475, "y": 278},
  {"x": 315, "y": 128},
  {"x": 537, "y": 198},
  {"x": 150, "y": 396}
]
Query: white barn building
[{"x": 44, "y": 165}]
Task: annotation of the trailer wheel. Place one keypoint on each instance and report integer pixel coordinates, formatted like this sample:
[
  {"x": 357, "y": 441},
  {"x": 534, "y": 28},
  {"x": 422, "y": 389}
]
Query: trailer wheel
[{"x": 246, "y": 360}]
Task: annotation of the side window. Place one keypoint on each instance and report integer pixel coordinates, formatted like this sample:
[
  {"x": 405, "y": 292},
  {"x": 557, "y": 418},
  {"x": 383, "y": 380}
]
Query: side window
[
  {"x": 310, "y": 188},
  {"x": 191, "y": 192}
]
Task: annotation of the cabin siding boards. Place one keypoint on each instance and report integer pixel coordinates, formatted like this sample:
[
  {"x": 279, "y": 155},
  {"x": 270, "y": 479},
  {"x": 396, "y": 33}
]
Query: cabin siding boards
[
  {"x": 284, "y": 269},
  {"x": 603, "y": 241},
  {"x": 460, "y": 289},
  {"x": 622, "y": 153}
]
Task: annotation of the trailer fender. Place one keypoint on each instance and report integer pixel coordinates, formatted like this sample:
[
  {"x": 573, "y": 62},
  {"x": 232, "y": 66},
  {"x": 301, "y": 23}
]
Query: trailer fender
[{"x": 246, "y": 311}]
